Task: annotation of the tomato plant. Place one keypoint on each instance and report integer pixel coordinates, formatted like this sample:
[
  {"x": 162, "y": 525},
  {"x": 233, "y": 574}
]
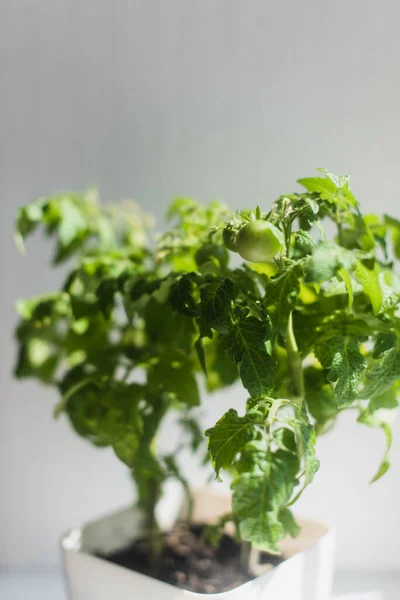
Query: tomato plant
[{"x": 311, "y": 331}]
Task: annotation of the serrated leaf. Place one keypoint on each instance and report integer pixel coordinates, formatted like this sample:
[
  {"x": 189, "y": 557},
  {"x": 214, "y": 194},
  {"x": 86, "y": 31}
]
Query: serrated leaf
[
  {"x": 221, "y": 370},
  {"x": 288, "y": 521},
  {"x": 228, "y": 437},
  {"x": 303, "y": 243},
  {"x": 216, "y": 296},
  {"x": 106, "y": 415},
  {"x": 342, "y": 358},
  {"x": 201, "y": 355},
  {"x": 370, "y": 282},
  {"x": 257, "y": 371},
  {"x": 181, "y": 298},
  {"x": 339, "y": 181},
  {"x": 125, "y": 442},
  {"x": 260, "y": 495},
  {"x": 313, "y": 204},
  {"x": 389, "y": 296},
  {"x": 345, "y": 276},
  {"x": 281, "y": 292},
  {"x": 176, "y": 378},
  {"x": 383, "y": 375},
  {"x": 319, "y": 396},
  {"x": 320, "y": 185},
  {"x": 169, "y": 329},
  {"x": 306, "y": 440},
  {"x": 326, "y": 261},
  {"x": 72, "y": 222},
  {"x": 105, "y": 294},
  {"x": 383, "y": 342},
  {"x": 245, "y": 343}
]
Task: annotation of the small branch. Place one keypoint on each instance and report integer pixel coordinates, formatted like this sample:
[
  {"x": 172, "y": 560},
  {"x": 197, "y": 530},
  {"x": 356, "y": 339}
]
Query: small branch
[
  {"x": 288, "y": 233},
  {"x": 61, "y": 406},
  {"x": 339, "y": 226},
  {"x": 295, "y": 362}
]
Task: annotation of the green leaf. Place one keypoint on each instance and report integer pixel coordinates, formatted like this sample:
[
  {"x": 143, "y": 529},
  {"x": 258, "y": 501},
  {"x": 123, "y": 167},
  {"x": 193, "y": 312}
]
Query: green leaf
[
  {"x": 342, "y": 358},
  {"x": 245, "y": 343},
  {"x": 285, "y": 516},
  {"x": 43, "y": 308},
  {"x": 370, "y": 282},
  {"x": 380, "y": 413},
  {"x": 382, "y": 376},
  {"x": 320, "y": 185},
  {"x": 124, "y": 437},
  {"x": 282, "y": 290},
  {"x": 306, "y": 440},
  {"x": 37, "y": 358},
  {"x": 385, "y": 463},
  {"x": 319, "y": 396},
  {"x": 383, "y": 342},
  {"x": 169, "y": 329},
  {"x": 313, "y": 204},
  {"x": 339, "y": 181},
  {"x": 174, "y": 375},
  {"x": 221, "y": 370},
  {"x": 344, "y": 275},
  {"x": 389, "y": 297},
  {"x": 228, "y": 437},
  {"x": 200, "y": 354},
  {"x": 181, "y": 298},
  {"x": 326, "y": 261},
  {"x": 303, "y": 243},
  {"x": 260, "y": 495},
  {"x": 72, "y": 222},
  {"x": 257, "y": 371},
  {"x": 105, "y": 294},
  {"x": 105, "y": 413},
  {"x": 394, "y": 225},
  {"x": 216, "y": 296},
  {"x": 28, "y": 219},
  {"x": 387, "y": 401}
]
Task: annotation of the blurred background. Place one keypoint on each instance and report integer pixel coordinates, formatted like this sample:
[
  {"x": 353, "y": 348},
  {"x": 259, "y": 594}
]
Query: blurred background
[{"x": 209, "y": 98}]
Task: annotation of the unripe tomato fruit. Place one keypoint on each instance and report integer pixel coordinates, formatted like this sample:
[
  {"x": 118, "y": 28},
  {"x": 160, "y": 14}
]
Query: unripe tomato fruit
[
  {"x": 259, "y": 241},
  {"x": 229, "y": 237}
]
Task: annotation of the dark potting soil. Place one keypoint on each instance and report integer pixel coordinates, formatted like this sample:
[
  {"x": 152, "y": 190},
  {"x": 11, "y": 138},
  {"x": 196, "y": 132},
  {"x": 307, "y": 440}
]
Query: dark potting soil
[{"x": 189, "y": 562}]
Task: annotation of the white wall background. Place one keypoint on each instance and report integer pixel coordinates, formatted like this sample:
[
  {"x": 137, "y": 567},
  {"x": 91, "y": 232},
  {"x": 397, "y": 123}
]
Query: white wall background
[{"x": 213, "y": 98}]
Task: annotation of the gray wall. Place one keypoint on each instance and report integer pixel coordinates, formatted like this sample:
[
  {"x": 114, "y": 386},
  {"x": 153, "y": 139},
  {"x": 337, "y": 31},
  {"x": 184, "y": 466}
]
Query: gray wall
[{"x": 222, "y": 98}]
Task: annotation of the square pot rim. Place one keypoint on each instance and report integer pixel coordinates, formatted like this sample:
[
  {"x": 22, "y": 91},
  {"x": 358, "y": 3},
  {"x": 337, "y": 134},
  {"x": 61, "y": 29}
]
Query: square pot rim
[{"x": 77, "y": 532}]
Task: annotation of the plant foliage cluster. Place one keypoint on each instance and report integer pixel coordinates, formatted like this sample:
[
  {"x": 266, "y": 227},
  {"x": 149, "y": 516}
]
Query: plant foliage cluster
[{"x": 309, "y": 334}]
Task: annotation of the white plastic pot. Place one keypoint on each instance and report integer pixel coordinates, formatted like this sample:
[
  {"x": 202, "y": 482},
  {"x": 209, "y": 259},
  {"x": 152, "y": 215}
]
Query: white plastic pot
[{"x": 305, "y": 574}]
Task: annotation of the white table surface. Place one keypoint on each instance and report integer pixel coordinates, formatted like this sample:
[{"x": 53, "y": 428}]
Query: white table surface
[{"x": 50, "y": 586}]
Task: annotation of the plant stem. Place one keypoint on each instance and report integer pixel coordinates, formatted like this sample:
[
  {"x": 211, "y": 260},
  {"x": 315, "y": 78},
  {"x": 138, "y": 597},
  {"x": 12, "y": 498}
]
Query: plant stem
[
  {"x": 151, "y": 521},
  {"x": 245, "y": 552},
  {"x": 339, "y": 226},
  {"x": 295, "y": 362}
]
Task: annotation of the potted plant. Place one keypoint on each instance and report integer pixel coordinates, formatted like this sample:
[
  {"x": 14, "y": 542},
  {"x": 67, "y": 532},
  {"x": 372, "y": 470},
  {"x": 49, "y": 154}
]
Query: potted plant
[{"x": 307, "y": 322}]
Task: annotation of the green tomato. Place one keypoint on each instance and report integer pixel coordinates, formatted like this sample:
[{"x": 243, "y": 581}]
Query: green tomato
[
  {"x": 209, "y": 251},
  {"x": 229, "y": 237},
  {"x": 259, "y": 241}
]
